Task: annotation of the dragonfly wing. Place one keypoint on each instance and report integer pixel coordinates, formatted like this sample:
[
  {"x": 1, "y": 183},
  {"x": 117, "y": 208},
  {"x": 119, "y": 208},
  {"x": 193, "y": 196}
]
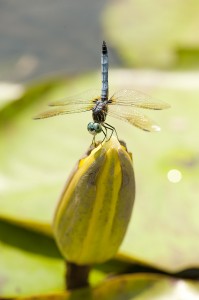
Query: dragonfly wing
[
  {"x": 133, "y": 117},
  {"x": 69, "y": 109},
  {"x": 86, "y": 97},
  {"x": 72, "y": 104},
  {"x": 137, "y": 99}
]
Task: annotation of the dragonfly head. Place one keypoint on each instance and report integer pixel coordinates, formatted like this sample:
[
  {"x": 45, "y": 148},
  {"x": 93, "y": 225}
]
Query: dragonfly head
[{"x": 94, "y": 128}]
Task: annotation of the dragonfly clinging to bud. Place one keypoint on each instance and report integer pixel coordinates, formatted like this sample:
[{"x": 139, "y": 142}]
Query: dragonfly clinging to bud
[{"x": 124, "y": 105}]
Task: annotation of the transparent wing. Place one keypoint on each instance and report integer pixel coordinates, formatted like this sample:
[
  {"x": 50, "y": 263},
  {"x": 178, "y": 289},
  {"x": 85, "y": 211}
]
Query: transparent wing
[
  {"x": 86, "y": 97},
  {"x": 133, "y": 117},
  {"x": 137, "y": 99},
  {"x": 77, "y": 108},
  {"x": 72, "y": 104}
]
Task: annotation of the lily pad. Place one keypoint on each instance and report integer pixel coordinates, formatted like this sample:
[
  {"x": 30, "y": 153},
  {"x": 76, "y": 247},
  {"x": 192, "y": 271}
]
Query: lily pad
[
  {"x": 31, "y": 264},
  {"x": 154, "y": 33},
  {"x": 136, "y": 287},
  {"x": 37, "y": 157},
  {"x": 32, "y": 177}
]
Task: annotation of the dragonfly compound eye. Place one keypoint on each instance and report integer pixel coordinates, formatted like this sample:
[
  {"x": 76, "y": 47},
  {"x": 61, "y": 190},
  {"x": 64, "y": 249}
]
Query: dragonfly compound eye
[
  {"x": 91, "y": 128},
  {"x": 94, "y": 128},
  {"x": 97, "y": 127}
]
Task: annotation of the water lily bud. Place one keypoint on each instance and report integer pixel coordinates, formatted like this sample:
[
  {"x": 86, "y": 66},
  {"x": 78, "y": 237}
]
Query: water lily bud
[{"x": 95, "y": 207}]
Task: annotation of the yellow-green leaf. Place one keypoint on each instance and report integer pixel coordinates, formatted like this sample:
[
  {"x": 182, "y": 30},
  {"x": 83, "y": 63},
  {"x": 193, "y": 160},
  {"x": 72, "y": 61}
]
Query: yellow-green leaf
[{"x": 132, "y": 287}]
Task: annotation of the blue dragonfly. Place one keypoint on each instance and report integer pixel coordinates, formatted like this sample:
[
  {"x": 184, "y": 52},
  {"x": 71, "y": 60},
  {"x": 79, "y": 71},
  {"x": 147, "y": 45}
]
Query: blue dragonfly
[{"x": 125, "y": 105}]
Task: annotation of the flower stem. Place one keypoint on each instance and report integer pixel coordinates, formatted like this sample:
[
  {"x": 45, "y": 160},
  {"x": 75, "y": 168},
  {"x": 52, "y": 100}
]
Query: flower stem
[{"x": 76, "y": 276}]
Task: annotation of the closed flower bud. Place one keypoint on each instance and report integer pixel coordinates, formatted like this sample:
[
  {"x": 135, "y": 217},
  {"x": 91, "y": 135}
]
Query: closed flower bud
[{"x": 95, "y": 207}]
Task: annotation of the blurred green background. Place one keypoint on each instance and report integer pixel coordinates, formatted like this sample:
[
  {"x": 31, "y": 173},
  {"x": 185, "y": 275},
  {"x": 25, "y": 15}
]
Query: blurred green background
[{"x": 50, "y": 50}]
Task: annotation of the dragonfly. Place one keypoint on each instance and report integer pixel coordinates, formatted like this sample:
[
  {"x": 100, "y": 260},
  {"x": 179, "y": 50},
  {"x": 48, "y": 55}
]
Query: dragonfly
[{"x": 125, "y": 105}]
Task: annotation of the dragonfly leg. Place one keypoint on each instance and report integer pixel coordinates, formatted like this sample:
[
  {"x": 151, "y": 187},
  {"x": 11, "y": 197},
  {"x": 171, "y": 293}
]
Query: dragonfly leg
[
  {"x": 108, "y": 126},
  {"x": 105, "y": 134},
  {"x": 93, "y": 141}
]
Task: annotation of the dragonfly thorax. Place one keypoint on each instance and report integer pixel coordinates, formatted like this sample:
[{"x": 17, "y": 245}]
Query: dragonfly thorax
[{"x": 100, "y": 111}]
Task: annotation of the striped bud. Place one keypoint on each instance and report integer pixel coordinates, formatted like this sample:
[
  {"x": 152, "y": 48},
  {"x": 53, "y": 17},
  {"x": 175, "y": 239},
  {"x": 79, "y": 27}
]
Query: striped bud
[{"x": 95, "y": 207}]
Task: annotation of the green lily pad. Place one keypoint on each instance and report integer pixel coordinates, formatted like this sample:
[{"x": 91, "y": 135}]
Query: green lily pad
[
  {"x": 164, "y": 227},
  {"x": 31, "y": 264},
  {"x": 135, "y": 287},
  {"x": 32, "y": 177},
  {"x": 37, "y": 157},
  {"x": 154, "y": 34}
]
